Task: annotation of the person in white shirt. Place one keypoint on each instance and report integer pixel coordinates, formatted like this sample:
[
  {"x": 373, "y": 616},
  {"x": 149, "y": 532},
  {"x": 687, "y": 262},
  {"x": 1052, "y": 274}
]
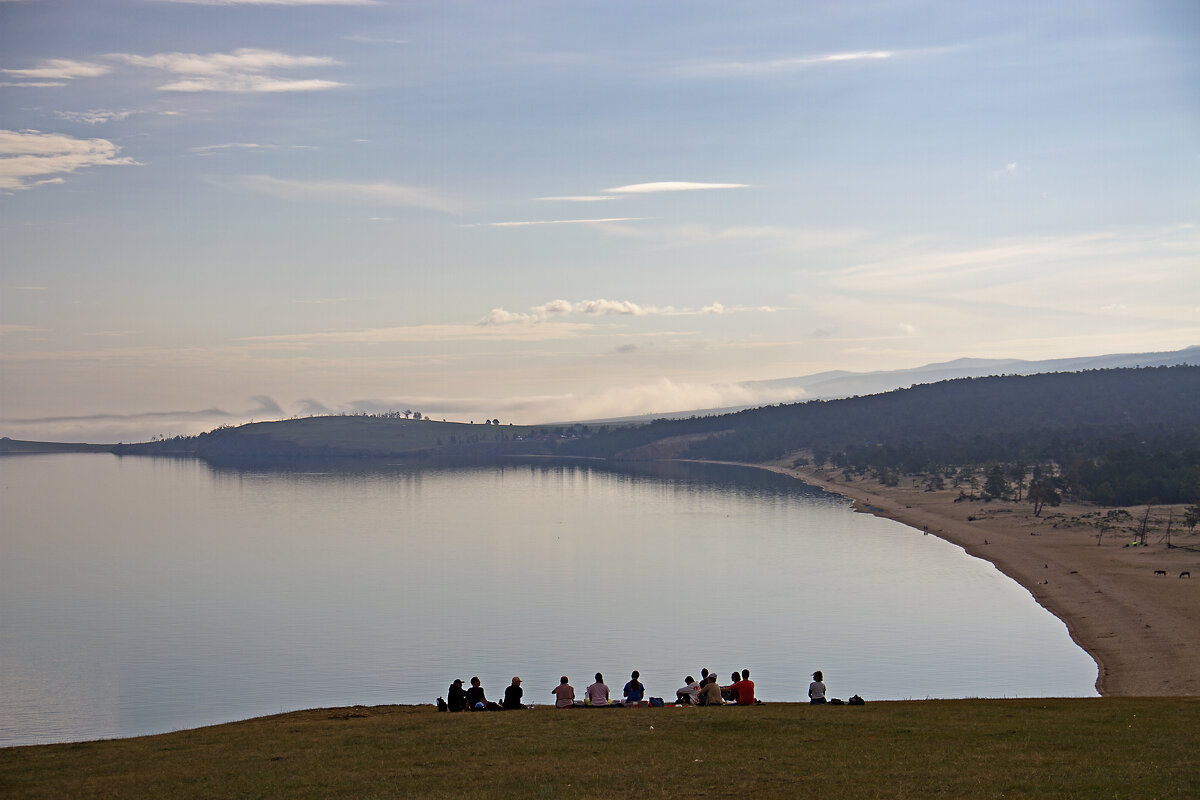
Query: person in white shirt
[{"x": 816, "y": 689}]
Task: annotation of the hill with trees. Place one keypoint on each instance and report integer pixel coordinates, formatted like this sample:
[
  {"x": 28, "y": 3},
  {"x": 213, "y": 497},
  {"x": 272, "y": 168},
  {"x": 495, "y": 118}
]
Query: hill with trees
[
  {"x": 1118, "y": 436},
  {"x": 1110, "y": 436}
]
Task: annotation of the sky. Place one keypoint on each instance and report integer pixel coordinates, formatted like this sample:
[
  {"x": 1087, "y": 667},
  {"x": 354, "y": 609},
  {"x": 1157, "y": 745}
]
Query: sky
[{"x": 216, "y": 211}]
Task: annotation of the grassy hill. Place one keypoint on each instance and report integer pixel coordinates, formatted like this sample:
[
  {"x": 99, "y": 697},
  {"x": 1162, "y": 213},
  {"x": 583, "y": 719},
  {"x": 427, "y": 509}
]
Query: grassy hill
[{"x": 1129, "y": 748}]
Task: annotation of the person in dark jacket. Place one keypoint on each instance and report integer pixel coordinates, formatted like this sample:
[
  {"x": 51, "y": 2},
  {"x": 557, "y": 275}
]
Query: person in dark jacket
[
  {"x": 512, "y": 695},
  {"x": 457, "y": 696}
]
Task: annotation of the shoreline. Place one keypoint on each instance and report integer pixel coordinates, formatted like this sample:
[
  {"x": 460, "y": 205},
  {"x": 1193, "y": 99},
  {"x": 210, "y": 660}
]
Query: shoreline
[{"x": 1141, "y": 628}]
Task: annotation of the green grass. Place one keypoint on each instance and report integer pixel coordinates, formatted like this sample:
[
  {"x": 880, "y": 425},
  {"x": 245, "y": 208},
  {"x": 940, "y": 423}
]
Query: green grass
[{"x": 1076, "y": 748}]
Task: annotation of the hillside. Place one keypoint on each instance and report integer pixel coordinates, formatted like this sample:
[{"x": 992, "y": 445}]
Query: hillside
[{"x": 1136, "y": 430}]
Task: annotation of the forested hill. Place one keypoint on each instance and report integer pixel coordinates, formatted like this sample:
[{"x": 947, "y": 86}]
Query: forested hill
[{"x": 1136, "y": 430}]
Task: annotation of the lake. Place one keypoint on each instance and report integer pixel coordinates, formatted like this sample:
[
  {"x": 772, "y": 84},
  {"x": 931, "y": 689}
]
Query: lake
[{"x": 142, "y": 595}]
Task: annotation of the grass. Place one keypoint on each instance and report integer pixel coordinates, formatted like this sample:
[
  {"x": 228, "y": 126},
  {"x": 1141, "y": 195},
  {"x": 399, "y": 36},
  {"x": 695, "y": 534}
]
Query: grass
[{"x": 1060, "y": 748}]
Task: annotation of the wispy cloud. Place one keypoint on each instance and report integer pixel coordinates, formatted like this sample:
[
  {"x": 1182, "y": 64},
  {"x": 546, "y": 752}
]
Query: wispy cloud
[
  {"x": 523, "y": 223},
  {"x": 93, "y": 117},
  {"x": 425, "y": 333},
  {"x": 28, "y": 157},
  {"x": 210, "y": 149},
  {"x": 273, "y": 2},
  {"x": 20, "y": 329},
  {"x": 780, "y": 65},
  {"x": 246, "y": 70},
  {"x": 377, "y": 192},
  {"x": 57, "y": 70},
  {"x": 601, "y": 308},
  {"x": 579, "y": 198},
  {"x": 673, "y": 186}
]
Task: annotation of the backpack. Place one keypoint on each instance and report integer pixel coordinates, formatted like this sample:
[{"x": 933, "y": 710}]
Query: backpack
[
  {"x": 441, "y": 704},
  {"x": 656, "y": 702}
]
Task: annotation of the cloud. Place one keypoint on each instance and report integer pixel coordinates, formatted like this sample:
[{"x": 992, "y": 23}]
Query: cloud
[
  {"x": 20, "y": 329},
  {"x": 426, "y": 333},
  {"x": 26, "y": 156},
  {"x": 1007, "y": 171},
  {"x": 780, "y": 65},
  {"x": 524, "y": 223},
  {"x": 246, "y": 70},
  {"x": 59, "y": 69},
  {"x": 378, "y": 192},
  {"x": 93, "y": 117},
  {"x": 209, "y": 149},
  {"x": 603, "y": 308},
  {"x": 499, "y": 316},
  {"x": 273, "y": 2},
  {"x": 580, "y": 198},
  {"x": 673, "y": 186}
]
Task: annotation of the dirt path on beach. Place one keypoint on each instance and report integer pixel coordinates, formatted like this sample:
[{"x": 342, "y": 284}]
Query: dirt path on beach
[{"x": 1142, "y": 628}]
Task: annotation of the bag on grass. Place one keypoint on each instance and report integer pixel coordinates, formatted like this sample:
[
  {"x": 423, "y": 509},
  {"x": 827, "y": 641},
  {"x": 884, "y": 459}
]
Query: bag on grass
[{"x": 656, "y": 702}]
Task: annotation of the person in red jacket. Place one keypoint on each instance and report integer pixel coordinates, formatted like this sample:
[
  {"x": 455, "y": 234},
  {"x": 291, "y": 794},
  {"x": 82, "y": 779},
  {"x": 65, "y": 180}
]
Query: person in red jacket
[{"x": 743, "y": 690}]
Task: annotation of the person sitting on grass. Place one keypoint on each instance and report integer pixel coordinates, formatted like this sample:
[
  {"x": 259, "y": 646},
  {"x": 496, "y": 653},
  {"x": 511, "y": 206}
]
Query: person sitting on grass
[
  {"x": 634, "y": 690},
  {"x": 816, "y": 689},
  {"x": 457, "y": 696},
  {"x": 711, "y": 695},
  {"x": 743, "y": 690},
  {"x": 475, "y": 699},
  {"x": 564, "y": 694},
  {"x": 512, "y": 695},
  {"x": 689, "y": 695},
  {"x": 727, "y": 692},
  {"x": 597, "y": 693}
]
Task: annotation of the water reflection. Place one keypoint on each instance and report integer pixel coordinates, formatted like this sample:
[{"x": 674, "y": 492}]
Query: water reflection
[{"x": 143, "y": 595}]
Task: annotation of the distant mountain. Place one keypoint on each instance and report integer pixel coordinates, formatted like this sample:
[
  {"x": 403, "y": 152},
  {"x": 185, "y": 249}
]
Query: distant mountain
[
  {"x": 837, "y": 384},
  {"x": 832, "y": 385}
]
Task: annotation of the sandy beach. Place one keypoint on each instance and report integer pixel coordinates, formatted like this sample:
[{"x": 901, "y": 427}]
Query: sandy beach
[{"x": 1142, "y": 627}]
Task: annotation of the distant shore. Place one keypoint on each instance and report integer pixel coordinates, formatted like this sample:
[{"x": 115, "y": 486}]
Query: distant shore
[{"x": 1142, "y": 628}]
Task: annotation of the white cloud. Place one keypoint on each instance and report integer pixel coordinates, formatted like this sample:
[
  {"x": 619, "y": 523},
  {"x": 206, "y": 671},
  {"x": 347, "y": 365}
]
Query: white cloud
[
  {"x": 59, "y": 69},
  {"x": 1007, "y": 171},
  {"x": 778, "y": 65},
  {"x": 426, "y": 333},
  {"x": 93, "y": 117},
  {"x": 26, "y": 156},
  {"x": 524, "y": 223},
  {"x": 20, "y": 329},
  {"x": 209, "y": 149},
  {"x": 246, "y": 70},
  {"x": 378, "y": 192},
  {"x": 580, "y": 198},
  {"x": 33, "y": 84},
  {"x": 274, "y": 2},
  {"x": 602, "y": 308},
  {"x": 672, "y": 186}
]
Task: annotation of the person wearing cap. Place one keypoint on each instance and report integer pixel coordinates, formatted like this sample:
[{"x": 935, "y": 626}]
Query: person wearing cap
[
  {"x": 564, "y": 694},
  {"x": 512, "y": 695},
  {"x": 816, "y": 689},
  {"x": 457, "y": 696},
  {"x": 711, "y": 693}
]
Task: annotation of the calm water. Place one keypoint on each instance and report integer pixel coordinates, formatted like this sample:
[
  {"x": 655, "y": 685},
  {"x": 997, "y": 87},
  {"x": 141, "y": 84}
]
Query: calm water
[{"x": 143, "y": 595}]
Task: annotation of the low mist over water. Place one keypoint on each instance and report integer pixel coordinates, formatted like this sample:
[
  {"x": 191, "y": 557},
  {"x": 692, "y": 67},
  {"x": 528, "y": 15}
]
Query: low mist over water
[{"x": 144, "y": 595}]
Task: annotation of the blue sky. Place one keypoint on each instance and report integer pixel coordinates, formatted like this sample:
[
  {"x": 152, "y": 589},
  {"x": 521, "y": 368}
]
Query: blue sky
[{"x": 533, "y": 211}]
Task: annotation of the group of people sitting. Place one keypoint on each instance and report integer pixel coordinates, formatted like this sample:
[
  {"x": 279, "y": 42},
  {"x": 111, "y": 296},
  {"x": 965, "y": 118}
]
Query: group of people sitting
[
  {"x": 474, "y": 699},
  {"x": 708, "y": 692},
  {"x": 705, "y": 692}
]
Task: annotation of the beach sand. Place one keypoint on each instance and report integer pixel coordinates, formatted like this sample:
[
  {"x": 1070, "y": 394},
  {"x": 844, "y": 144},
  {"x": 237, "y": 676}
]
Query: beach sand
[{"x": 1142, "y": 629}]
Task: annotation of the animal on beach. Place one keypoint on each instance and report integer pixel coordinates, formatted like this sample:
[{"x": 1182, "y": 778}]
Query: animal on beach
[
  {"x": 1162, "y": 572},
  {"x": 1185, "y": 574}
]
